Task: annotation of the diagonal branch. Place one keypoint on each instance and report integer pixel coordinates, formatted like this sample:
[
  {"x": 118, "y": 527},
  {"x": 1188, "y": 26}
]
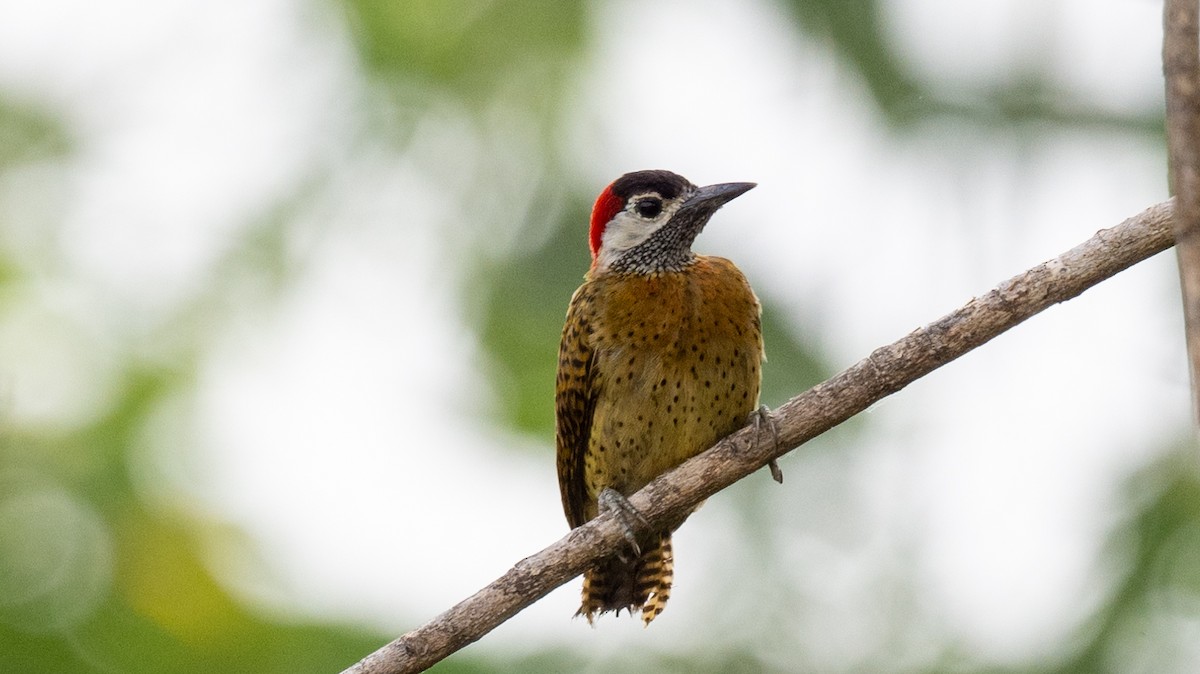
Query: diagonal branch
[
  {"x": 1181, "y": 71},
  {"x": 886, "y": 371}
]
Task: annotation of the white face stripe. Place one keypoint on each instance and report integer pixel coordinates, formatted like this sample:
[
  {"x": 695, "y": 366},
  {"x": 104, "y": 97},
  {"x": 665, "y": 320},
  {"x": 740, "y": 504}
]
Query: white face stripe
[{"x": 627, "y": 229}]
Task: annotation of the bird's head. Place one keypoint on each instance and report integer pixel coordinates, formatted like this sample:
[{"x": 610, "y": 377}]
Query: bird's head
[{"x": 646, "y": 221}]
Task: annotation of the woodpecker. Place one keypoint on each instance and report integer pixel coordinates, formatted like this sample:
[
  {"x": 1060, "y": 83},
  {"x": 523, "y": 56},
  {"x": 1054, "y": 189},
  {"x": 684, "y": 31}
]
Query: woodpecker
[{"x": 660, "y": 358}]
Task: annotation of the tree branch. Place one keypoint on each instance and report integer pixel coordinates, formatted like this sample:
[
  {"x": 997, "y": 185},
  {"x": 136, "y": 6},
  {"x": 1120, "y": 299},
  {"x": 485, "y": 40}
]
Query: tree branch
[
  {"x": 887, "y": 370},
  {"x": 1181, "y": 71}
]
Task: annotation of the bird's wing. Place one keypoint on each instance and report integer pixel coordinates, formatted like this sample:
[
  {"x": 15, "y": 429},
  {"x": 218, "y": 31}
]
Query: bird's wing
[{"x": 574, "y": 403}]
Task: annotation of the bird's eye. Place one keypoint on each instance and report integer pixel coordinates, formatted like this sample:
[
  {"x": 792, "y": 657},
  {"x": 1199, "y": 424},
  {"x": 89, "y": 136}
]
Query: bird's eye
[{"x": 649, "y": 207}]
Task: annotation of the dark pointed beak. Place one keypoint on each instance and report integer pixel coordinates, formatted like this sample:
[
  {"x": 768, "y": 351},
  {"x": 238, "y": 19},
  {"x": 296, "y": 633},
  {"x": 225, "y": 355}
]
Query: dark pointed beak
[{"x": 711, "y": 197}]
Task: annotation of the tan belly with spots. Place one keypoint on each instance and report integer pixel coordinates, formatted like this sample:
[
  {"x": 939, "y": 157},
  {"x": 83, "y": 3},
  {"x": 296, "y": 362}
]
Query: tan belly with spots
[{"x": 677, "y": 357}]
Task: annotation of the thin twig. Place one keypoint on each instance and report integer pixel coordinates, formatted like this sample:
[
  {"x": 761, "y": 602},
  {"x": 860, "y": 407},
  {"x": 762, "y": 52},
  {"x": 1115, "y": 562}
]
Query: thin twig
[
  {"x": 809, "y": 414},
  {"x": 1181, "y": 71}
]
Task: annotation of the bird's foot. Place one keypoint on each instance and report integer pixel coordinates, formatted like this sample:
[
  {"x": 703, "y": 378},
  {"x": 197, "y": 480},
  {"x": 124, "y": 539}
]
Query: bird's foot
[
  {"x": 613, "y": 501},
  {"x": 763, "y": 417}
]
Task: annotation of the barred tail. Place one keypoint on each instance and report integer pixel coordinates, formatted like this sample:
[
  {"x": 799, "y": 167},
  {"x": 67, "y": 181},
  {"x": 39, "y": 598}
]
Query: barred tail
[{"x": 641, "y": 584}]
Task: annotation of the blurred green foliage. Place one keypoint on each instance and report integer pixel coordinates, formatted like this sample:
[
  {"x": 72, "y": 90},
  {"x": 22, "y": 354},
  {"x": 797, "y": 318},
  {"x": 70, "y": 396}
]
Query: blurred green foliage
[
  {"x": 858, "y": 35},
  {"x": 28, "y": 134},
  {"x": 97, "y": 577},
  {"x": 468, "y": 49}
]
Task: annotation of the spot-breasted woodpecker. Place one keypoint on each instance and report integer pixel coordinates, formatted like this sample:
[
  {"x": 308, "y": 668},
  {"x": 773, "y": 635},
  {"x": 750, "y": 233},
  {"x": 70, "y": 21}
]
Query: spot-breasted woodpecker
[{"x": 660, "y": 358}]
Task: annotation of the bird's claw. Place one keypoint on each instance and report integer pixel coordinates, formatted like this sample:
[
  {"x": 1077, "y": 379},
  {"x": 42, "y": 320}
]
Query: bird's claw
[
  {"x": 776, "y": 471},
  {"x": 614, "y": 502},
  {"x": 760, "y": 417}
]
